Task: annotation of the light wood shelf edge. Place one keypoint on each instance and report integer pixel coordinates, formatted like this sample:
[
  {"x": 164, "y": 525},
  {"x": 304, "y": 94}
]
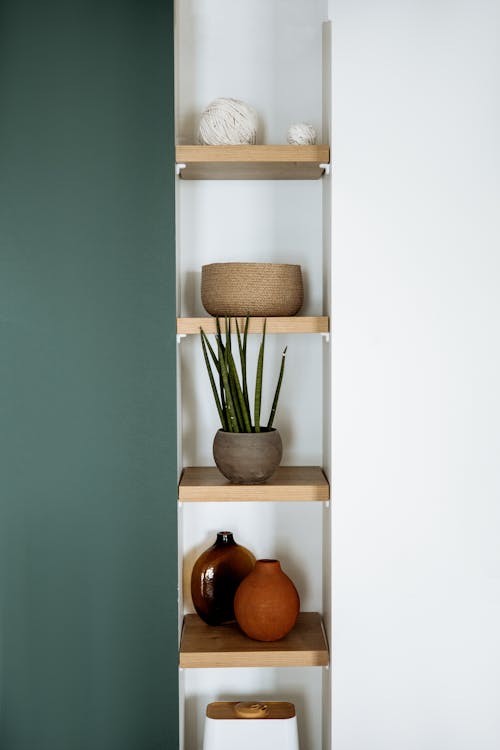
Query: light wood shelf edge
[
  {"x": 281, "y": 162},
  {"x": 271, "y": 154},
  {"x": 205, "y": 646},
  {"x": 288, "y": 484},
  {"x": 295, "y": 324}
]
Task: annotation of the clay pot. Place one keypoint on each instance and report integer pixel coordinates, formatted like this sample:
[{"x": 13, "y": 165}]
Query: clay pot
[
  {"x": 216, "y": 575},
  {"x": 247, "y": 457},
  {"x": 266, "y": 604}
]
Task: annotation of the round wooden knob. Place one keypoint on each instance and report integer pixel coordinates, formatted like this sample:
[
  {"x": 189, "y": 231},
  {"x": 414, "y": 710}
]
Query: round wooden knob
[{"x": 251, "y": 710}]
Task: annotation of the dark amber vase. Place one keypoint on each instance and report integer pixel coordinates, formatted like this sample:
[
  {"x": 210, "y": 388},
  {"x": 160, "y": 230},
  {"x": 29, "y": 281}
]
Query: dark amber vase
[{"x": 216, "y": 575}]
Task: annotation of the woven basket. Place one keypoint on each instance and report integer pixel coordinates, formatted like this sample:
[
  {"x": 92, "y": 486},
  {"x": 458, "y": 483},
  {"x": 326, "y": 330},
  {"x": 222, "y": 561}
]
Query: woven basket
[{"x": 257, "y": 289}]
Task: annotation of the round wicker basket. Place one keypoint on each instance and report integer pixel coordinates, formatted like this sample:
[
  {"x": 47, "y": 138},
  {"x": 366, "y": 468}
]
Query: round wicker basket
[{"x": 257, "y": 289}]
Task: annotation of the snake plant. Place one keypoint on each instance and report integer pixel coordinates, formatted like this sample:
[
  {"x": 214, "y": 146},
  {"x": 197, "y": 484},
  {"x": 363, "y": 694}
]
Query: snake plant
[{"x": 231, "y": 394}]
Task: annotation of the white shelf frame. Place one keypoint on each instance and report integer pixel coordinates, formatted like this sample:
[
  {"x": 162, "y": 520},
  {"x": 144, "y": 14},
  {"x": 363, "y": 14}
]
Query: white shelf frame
[{"x": 328, "y": 353}]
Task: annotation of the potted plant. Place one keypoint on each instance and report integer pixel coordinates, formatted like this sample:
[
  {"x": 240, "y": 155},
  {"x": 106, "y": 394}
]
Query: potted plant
[{"x": 245, "y": 451}]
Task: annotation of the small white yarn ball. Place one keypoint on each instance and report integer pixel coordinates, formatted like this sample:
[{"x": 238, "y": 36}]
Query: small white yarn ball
[
  {"x": 301, "y": 134},
  {"x": 228, "y": 122}
]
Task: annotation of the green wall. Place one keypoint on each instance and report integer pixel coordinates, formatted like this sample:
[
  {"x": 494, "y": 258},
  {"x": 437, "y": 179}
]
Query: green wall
[{"x": 87, "y": 378}]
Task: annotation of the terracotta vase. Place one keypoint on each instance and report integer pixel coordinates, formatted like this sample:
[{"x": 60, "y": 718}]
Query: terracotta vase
[
  {"x": 216, "y": 575},
  {"x": 248, "y": 457},
  {"x": 266, "y": 604}
]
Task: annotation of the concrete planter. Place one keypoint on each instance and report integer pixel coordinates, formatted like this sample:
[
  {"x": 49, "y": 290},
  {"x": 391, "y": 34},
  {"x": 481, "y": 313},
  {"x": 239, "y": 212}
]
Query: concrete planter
[{"x": 247, "y": 457}]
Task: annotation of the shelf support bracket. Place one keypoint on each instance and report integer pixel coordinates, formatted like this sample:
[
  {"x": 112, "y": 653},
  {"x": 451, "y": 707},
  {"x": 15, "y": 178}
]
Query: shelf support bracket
[
  {"x": 326, "y": 167},
  {"x": 326, "y": 337},
  {"x": 179, "y": 167},
  {"x": 180, "y": 336}
]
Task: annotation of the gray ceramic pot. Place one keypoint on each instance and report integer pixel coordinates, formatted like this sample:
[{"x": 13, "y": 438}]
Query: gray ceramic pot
[{"x": 248, "y": 457}]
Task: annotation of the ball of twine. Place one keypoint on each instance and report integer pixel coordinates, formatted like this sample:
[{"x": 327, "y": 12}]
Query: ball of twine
[
  {"x": 301, "y": 134},
  {"x": 227, "y": 122}
]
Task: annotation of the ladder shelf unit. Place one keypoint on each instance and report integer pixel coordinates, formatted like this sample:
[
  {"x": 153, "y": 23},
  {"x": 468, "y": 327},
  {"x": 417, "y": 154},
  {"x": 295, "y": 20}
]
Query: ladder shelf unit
[{"x": 262, "y": 203}]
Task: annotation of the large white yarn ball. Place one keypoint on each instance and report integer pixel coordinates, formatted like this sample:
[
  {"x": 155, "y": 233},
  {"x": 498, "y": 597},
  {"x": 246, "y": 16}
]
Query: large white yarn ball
[
  {"x": 228, "y": 122},
  {"x": 301, "y": 134}
]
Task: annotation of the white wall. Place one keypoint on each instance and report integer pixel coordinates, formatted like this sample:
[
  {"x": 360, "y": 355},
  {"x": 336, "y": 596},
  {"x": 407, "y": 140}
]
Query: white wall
[{"x": 416, "y": 375}]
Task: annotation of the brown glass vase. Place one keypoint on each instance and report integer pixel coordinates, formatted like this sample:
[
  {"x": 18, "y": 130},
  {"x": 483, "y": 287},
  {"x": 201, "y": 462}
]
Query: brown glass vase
[
  {"x": 266, "y": 604},
  {"x": 216, "y": 575}
]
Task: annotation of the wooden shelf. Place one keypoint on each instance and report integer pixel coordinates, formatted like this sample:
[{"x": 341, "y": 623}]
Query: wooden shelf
[
  {"x": 252, "y": 162},
  {"x": 289, "y": 483},
  {"x": 295, "y": 324},
  {"x": 204, "y": 645}
]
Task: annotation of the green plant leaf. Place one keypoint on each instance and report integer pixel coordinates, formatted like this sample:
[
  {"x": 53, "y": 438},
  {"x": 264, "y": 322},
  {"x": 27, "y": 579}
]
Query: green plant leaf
[
  {"x": 210, "y": 349},
  {"x": 277, "y": 391},
  {"x": 258, "y": 380},
  {"x": 218, "y": 340},
  {"x": 243, "y": 362},
  {"x": 212, "y": 382},
  {"x": 231, "y": 416},
  {"x": 234, "y": 393},
  {"x": 238, "y": 393},
  {"x": 218, "y": 335}
]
